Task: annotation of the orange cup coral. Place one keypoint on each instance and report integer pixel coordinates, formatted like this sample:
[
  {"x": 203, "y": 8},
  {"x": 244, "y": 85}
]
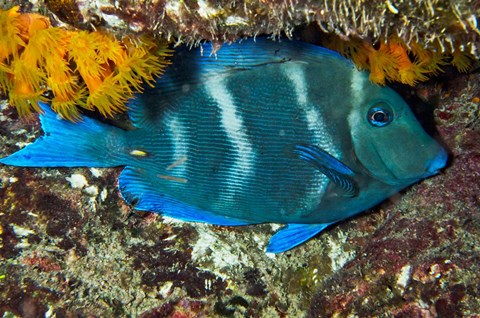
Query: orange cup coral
[
  {"x": 90, "y": 70},
  {"x": 395, "y": 61}
]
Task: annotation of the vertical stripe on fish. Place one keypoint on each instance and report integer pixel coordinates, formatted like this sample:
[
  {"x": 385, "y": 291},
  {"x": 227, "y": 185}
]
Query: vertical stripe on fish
[
  {"x": 315, "y": 121},
  {"x": 242, "y": 169}
]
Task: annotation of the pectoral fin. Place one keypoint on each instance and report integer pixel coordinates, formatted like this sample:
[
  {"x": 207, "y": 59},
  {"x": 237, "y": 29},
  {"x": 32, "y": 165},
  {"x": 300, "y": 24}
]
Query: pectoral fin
[
  {"x": 292, "y": 235},
  {"x": 335, "y": 170}
]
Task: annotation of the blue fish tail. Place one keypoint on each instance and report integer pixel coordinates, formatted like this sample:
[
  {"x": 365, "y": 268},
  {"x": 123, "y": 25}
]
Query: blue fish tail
[{"x": 66, "y": 144}]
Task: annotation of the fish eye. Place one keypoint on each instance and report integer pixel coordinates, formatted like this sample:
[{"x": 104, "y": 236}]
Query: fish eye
[{"x": 379, "y": 116}]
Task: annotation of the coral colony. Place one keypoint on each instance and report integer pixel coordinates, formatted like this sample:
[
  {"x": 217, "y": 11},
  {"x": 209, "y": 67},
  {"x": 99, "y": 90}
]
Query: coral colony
[
  {"x": 395, "y": 61},
  {"x": 90, "y": 70},
  {"x": 95, "y": 71}
]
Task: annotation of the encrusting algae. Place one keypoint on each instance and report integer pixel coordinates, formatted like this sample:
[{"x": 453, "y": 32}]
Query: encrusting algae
[{"x": 90, "y": 70}]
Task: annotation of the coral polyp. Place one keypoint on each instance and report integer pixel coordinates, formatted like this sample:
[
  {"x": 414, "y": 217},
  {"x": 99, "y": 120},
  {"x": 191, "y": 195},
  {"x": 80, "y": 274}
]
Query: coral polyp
[
  {"x": 90, "y": 70},
  {"x": 396, "y": 61}
]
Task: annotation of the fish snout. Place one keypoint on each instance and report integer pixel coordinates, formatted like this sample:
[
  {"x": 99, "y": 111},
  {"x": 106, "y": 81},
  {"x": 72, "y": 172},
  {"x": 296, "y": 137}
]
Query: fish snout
[{"x": 433, "y": 166}]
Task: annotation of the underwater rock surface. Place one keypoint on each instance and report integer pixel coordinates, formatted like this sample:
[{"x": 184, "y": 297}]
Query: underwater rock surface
[
  {"x": 69, "y": 246},
  {"x": 452, "y": 23}
]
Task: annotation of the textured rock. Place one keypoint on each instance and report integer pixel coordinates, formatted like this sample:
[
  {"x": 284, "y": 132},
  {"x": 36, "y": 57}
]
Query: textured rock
[
  {"x": 454, "y": 24},
  {"x": 70, "y": 251}
]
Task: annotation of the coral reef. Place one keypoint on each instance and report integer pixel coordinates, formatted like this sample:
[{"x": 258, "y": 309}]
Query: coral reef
[
  {"x": 69, "y": 246},
  {"x": 393, "y": 46},
  {"x": 446, "y": 24},
  {"x": 90, "y": 70},
  {"x": 399, "y": 42}
]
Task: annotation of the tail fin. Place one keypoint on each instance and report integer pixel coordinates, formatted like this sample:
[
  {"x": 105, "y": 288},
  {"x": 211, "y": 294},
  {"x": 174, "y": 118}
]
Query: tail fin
[{"x": 66, "y": 144}]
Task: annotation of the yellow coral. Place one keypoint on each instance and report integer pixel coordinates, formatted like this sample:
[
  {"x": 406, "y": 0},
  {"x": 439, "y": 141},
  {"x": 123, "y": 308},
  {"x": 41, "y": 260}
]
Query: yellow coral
[
  {"x": 10, "y": 36},
  {"x": 394, "y": 61},
  {"x": 462, "y": 61},
  {"x": 406, "y": 71},
  {"x": 382, "y": 64},
  {"x": 82, "y": 69},
  {"x": 431, "y": 60}
]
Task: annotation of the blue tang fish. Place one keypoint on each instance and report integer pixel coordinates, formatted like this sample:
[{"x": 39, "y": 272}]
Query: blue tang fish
[{"x": 274, "y": 132}]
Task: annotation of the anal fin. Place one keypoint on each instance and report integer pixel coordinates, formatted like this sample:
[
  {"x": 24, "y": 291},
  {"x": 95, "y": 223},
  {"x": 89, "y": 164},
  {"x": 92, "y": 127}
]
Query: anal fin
[
  {"x": 136, "y": 189},
  {"x": 292, "y": 235}
]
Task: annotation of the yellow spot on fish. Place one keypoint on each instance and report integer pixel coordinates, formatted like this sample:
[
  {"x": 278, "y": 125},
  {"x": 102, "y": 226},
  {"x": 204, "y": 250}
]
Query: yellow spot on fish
[
  {"x": 177, "y": 163},
  {"x": 138, "y": 153},
  {"x": 172, "y": 178}
]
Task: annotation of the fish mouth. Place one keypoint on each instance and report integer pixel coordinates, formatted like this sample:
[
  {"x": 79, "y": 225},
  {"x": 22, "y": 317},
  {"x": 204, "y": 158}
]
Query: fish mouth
[{"x": 433, "y": 166}]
